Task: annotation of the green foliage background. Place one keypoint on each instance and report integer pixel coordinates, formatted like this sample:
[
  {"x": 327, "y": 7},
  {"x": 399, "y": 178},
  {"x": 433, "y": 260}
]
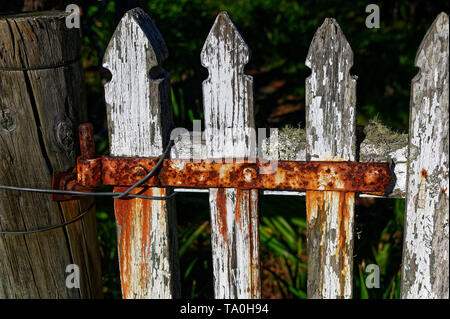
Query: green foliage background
[{"x": 279, "y": 33}]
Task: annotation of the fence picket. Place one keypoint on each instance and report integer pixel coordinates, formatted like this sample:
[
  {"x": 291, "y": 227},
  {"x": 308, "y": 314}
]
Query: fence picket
[
  {"x": 139, "y": 119},
  {"x": 425, "y": 271},
  {"x": 330, "y": 130},
  {"x": 228, "y": 104}
]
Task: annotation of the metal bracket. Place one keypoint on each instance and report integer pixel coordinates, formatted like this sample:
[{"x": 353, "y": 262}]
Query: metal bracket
[{"x": 68, "y": 182}]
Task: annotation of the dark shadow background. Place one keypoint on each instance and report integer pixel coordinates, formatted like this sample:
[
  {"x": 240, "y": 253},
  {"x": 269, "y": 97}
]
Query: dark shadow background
[{"x": 279, "y": 33}]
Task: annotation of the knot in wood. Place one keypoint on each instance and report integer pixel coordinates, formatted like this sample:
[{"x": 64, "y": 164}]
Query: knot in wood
[
  {"x": 7, "y": 120},
  {"x": 64, "y": 136}
]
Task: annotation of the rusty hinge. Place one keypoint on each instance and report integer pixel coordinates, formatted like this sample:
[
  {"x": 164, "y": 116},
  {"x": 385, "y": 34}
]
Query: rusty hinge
[
  {"x": 92, "y": 171},
  {"x": 68, "y": 181}
]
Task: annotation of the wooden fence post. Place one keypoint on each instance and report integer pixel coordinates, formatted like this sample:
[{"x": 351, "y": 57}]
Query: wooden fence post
[
  {"x": 41, "y": 103},
  {"x": 228, "y": 106},
  {"x": 425, "y": 271},
  {"x": 330, "y": 131},
  {"x": 139, "y": 119}
]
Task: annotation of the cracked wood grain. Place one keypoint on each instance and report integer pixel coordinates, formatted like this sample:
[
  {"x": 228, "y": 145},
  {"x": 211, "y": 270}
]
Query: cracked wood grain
[
  {"x": 425, "y": 270},
  {"x": 330, "y": 135},
  {"x": 228, "y": 107},
  {"x": 139, "y": 119}
]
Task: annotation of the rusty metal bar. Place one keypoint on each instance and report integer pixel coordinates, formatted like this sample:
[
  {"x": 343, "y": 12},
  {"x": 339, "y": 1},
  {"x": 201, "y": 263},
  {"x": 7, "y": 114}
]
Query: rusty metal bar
[
  {"x": 372, "y": 177},
  {"x": 369, "y": 177}
]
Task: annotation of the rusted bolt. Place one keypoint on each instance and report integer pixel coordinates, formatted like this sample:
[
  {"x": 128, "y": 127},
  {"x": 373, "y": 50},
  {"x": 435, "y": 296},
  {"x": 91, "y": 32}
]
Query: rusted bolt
[
  {"x": 371, "y": 177},
  {"x": 137, "y": 173},
  {"x": 249, "y": 174},
  {"x": 87, "y": 144}
]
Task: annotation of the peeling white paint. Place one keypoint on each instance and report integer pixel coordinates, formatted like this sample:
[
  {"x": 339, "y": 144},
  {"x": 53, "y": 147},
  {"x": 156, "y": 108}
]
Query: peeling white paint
[
  {"x": 129, "y": 57},
  {"x": 330, "y": 129},
  {"x": 425, "y": 272}
]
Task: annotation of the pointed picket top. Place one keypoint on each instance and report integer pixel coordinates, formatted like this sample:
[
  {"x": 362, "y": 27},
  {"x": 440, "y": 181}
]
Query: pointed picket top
[
  {"x": 136, "y": 32},
  {"x": 133, "y": 56},
  {"x": 329, "y": 41},
  {"x": 330, "y": 95},
  {"x": 437, "y": 35},
  {"x": 227, "y": 92},
  {"x": 224, "y": 45},
  {"x": 425, "y": 272}
]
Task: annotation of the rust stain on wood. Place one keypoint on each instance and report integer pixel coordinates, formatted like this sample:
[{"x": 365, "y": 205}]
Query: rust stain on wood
[
  {"x": 222, "y": 213},
  {"x": 123, "y": 214},
  {"x": 424, "y": 173},
  {"x": 329, "y": 243},
  {"x": 345, "y": 200},
  {"x": 146, "y": 239},
  {"x": 253, "y": 231},
  {"x": 127, "y": 212},
  {"x": 237, "y": 213}
]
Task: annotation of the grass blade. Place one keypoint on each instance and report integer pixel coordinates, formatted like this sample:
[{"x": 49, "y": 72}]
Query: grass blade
[
  {"x": 364, "y": 292},
  {"x": 191, "y": 238}
]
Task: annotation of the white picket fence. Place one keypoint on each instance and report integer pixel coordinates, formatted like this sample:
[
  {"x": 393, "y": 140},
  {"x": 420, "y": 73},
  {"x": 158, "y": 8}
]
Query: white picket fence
[{"x": 139, "y": 119}]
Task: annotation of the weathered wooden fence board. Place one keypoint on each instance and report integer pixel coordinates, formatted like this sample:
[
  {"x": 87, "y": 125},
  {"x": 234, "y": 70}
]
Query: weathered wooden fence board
[
  {"x": 139, "y": 120},
  {"x": 39, "y": 111},
  {"x": 228, "y": 107},
  {"x": 330, "y": 134},
  {"x": 425, "y": 272}
]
